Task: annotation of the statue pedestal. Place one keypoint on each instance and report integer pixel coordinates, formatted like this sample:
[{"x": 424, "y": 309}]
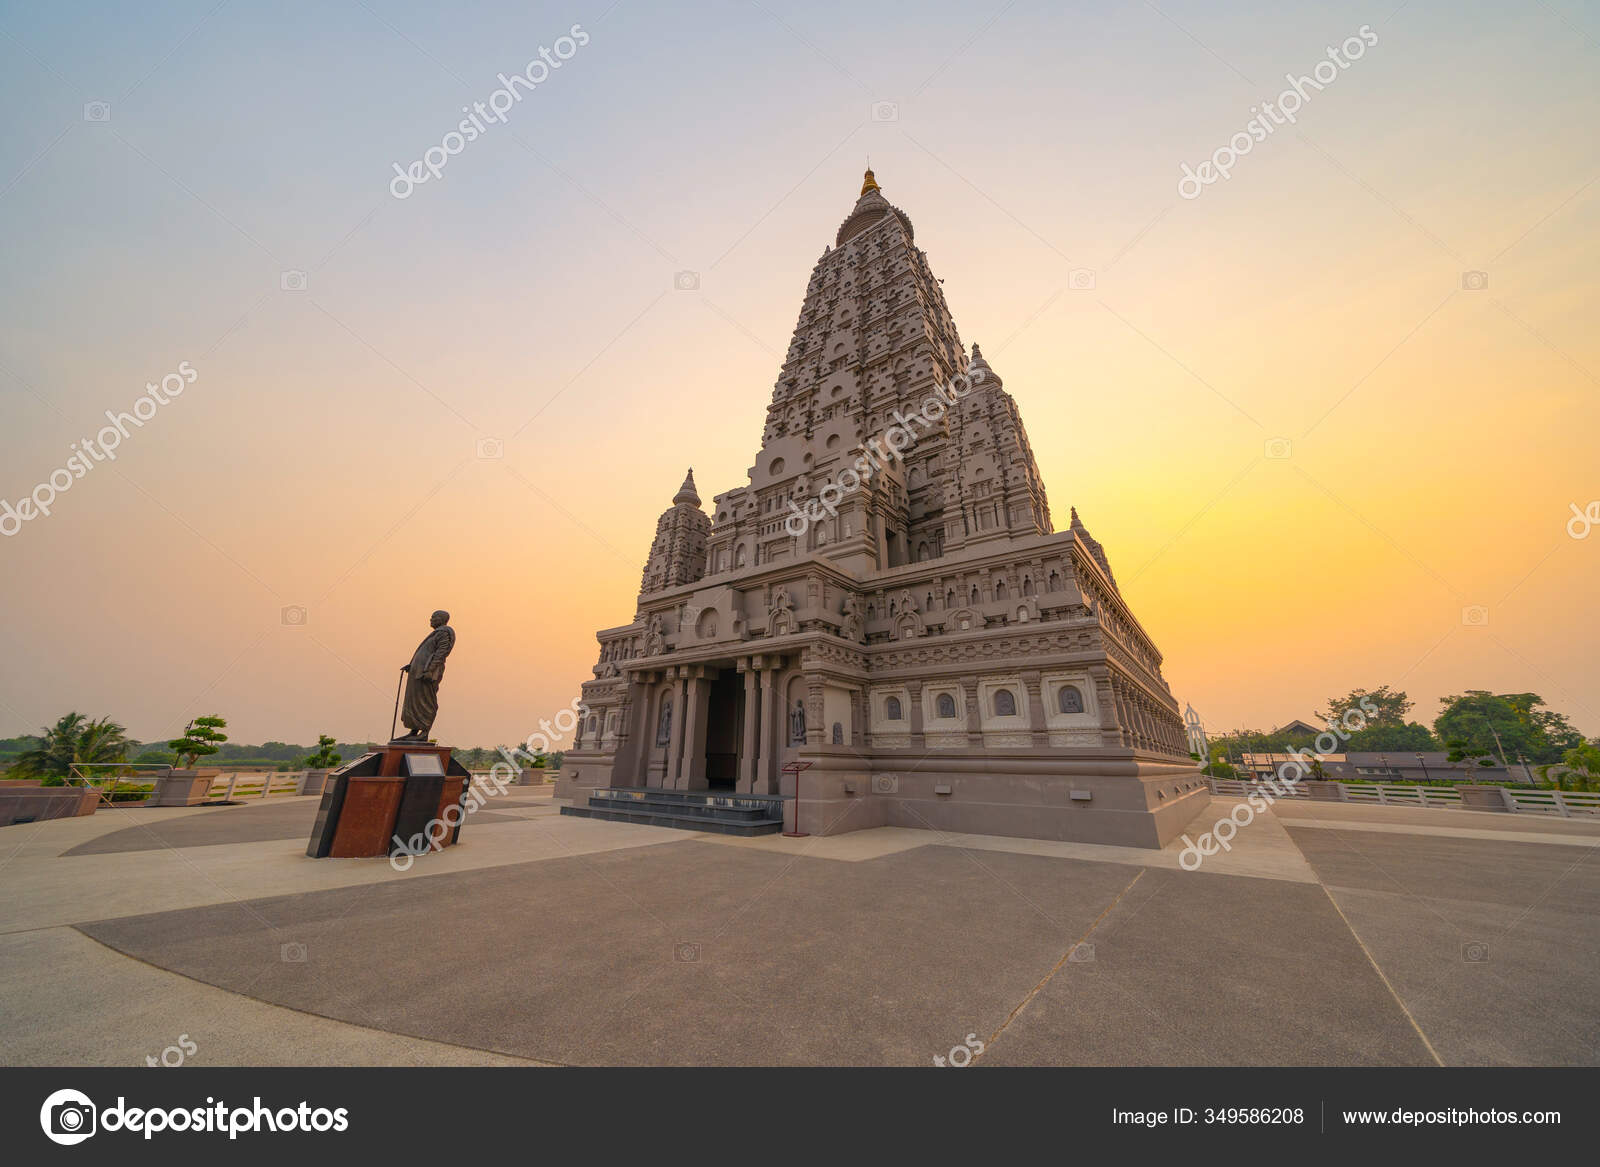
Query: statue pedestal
[{"x": 402, "y": 791}]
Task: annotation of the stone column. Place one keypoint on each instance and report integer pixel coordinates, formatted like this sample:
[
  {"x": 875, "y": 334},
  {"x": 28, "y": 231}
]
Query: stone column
[
  {"x": 1034, "y": 683},
  {"x": 1105, "y": 701},
  {"x": 816, "y": 732},
  {"x": 767, "y": 763},
  {"x": 969, "y": 693},
  {"x": 914, "y": 688},
  {"x": 1124, "y": 722},
  {"x": 669, "y": 777},
  {"x": 752, "y": 701},
  {"x": 634, "y": 708},
  {"x": 695, "y": 714}
]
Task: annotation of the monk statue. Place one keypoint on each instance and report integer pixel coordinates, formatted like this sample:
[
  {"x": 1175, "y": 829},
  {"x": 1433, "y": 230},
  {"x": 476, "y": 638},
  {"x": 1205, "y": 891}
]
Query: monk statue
[{"x": 423, "y": 675}]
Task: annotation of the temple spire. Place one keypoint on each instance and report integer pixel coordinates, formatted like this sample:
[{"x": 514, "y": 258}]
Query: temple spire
[
  {"x": 869, "y": 183},
  {"x": 687, "y": 493}
]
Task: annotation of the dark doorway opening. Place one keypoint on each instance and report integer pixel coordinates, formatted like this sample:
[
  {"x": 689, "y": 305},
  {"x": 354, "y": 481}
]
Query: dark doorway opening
[{"x": 724, "y": 730}]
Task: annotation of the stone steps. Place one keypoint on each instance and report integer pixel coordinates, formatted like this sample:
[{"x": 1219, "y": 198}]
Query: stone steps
[{"x": 722, "y": 813}]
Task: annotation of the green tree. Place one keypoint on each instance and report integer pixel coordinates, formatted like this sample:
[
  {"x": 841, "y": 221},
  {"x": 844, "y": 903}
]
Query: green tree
[
  {"x": 73, "y": 738},
  {"x": 1579, "y": 768},
  {"x": 326, "y": 757},
  {"x": 1479, "y": 724},
  {"x": 1408, "y": 738},
  {"x": 1390, "y": 705},
  {"x": 199, "y": 740}
]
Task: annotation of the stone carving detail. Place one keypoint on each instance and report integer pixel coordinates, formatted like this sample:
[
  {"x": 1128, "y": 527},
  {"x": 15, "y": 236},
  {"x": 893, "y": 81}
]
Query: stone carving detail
[
  {"x": 850, "y": 624},
  {"x": 781, "y": 622},
  {"x": 655, "y": 643},
  {"x": 797, "y": 724}
]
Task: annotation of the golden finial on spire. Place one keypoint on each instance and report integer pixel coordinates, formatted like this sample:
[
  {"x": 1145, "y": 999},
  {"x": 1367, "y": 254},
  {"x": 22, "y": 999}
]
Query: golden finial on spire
[{"x": 869, "y": 183}]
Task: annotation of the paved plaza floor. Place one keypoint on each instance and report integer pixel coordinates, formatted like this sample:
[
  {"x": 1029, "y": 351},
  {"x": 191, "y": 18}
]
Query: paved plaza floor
[{"x": 1332, "y": 934}]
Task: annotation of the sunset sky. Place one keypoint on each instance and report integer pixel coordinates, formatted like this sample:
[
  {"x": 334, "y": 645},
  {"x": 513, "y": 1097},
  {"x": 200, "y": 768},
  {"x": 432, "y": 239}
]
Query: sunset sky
[{"x": 326, "y": 456}]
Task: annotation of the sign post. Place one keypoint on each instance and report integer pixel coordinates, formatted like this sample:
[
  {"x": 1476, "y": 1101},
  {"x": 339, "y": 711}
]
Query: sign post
[{"x": 795, "y": 768}]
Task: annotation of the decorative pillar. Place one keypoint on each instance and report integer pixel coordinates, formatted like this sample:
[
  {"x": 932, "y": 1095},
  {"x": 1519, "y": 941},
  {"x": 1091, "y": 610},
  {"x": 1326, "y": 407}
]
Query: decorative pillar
[
  {"x": 914, "y": 688},
  {"x": 1123, "y": 725},
  {"x": 752, "y": 699},
  {"x": 1105, "y": 700},
  {"x": 969, "y": 692},
  {"x": 767, "y": 763},
  {"x": 669, "y": 777},
  {"x": 633, "y": 710},
  {"x": 1034, "y": 684},
  {"x": 696, "y": 712},
  {"x": 816, "y": 732}
]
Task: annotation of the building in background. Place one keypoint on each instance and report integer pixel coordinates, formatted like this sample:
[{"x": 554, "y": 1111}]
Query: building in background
[{"x": 1392, "y": 766}]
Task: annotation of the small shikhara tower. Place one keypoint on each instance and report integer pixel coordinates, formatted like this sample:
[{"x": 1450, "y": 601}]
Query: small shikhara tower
[{"x": 887, "y": 601}]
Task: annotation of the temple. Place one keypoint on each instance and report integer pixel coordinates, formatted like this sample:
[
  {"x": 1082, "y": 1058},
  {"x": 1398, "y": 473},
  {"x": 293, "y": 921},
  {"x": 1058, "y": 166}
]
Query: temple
[{"x": 884, "y": 607}]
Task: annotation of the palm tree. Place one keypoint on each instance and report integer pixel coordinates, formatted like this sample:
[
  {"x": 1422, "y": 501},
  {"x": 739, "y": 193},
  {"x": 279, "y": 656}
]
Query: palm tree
[
  {"x": 73, "y": 738},
  {"x": 52, "y": 758},
  {"x": 102, "y": 740}
]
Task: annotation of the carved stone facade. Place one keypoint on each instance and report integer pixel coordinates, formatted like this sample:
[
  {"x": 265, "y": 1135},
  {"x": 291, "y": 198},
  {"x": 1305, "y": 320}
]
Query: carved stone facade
[{"x": 887, "y": 596}]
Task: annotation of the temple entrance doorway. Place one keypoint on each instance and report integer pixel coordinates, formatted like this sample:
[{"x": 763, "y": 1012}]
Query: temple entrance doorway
[{"x": 724, "y": 730}]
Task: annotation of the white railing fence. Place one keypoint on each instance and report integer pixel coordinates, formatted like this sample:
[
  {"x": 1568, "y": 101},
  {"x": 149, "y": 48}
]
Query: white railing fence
[
  {"x": 1566, "y": 803},
  {"x": 229, "y": 787},
  {"x": 1562, "y": 803}
]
